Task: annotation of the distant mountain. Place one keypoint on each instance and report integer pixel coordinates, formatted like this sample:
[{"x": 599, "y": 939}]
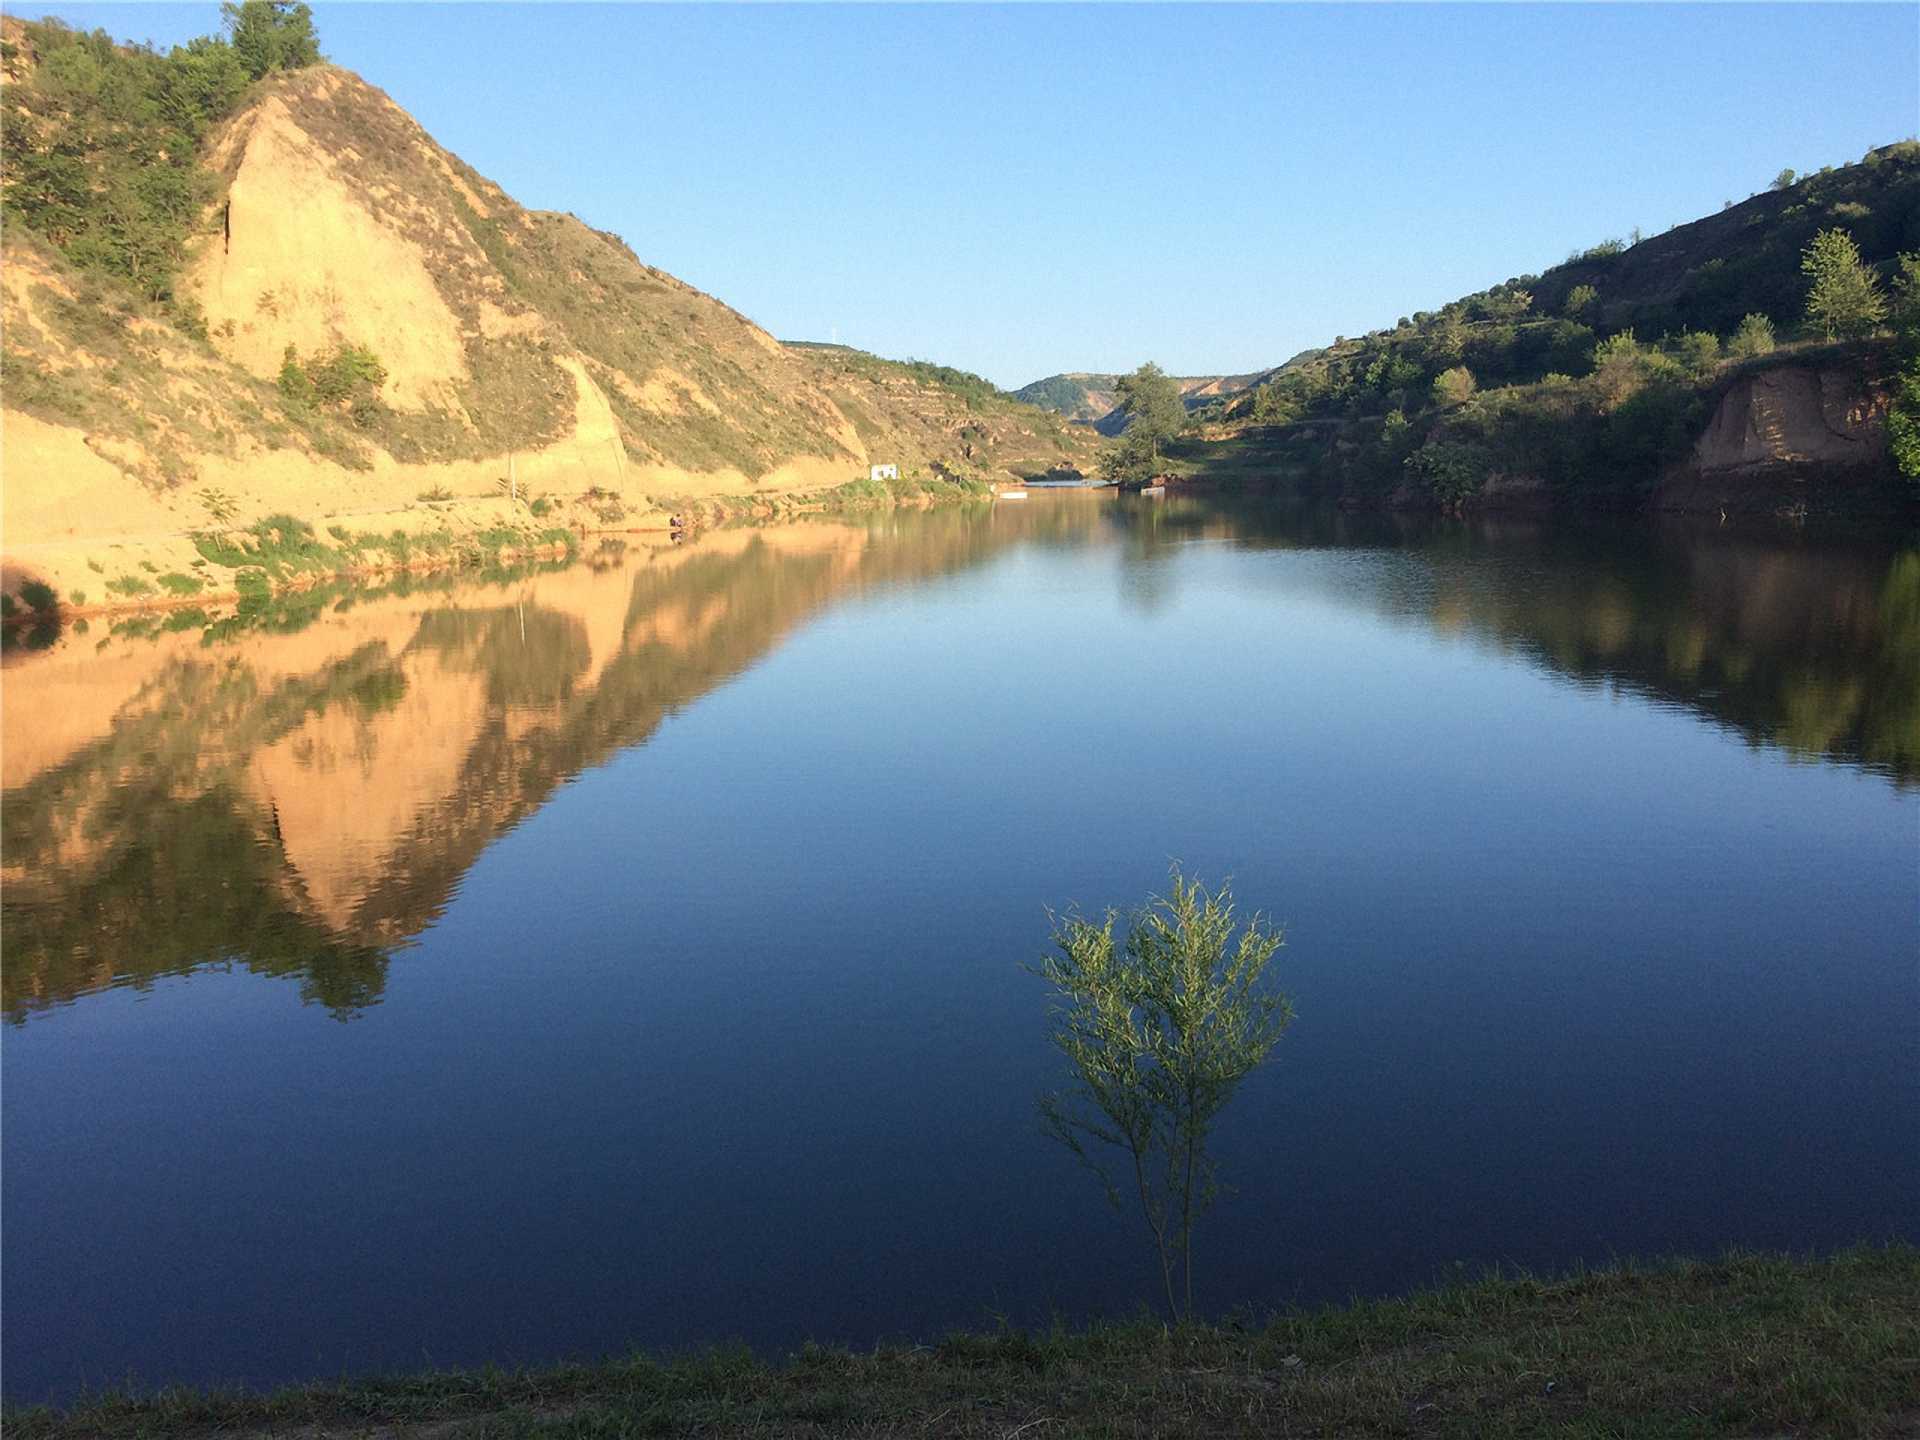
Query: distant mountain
[{"x": 1090, "y": 399}]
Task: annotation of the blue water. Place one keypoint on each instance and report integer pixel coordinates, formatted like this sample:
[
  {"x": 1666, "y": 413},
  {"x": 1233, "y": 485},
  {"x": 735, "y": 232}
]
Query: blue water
[{"x": 722, "y": 1030}]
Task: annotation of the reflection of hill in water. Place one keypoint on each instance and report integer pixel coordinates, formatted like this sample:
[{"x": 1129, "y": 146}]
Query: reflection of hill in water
[
  {"x": 340, "y": 780},
  {"x": 1807, "y": 643},
  {"x": 302, "y": 803}
]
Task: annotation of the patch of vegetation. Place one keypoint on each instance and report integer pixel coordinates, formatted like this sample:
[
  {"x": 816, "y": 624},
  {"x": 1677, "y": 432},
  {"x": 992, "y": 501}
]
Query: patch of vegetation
[
  {"x": 177, "y": 583},
  {"x": 1627, "y": 334},
  {"x": 280, "y": 546},
  {"x": 39, "y": 390},
  {"x": 39, "y": 596},
  {"x": 101, "y": 142},
  {"x": 1742, "y": 1346},
  {"x": 132, "y": 586}
]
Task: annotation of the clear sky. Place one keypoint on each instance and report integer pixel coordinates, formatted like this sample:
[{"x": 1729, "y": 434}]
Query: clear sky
[{"x": 1023, "y": 189}]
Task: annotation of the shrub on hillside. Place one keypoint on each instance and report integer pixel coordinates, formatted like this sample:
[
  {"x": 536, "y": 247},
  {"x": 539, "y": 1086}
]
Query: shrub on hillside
[
  {"x": 1754, "y": 337},
  {"x": 1453, "y": 387}
]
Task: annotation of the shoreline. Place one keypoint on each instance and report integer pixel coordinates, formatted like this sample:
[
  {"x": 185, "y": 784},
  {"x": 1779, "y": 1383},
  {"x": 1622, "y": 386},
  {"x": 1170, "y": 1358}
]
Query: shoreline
[
  {"x": 1745, "y": 1345},
  {"x": 467, "y": 536}
]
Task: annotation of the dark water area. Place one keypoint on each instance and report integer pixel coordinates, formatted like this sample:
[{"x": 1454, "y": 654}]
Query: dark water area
[{"x": 525, "y": 966}]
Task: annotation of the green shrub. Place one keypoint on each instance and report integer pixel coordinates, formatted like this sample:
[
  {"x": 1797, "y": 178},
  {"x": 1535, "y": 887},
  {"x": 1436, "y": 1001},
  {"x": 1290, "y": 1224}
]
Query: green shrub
[
  {"x": 295, "y": 384},
  {"x": 38, "y": 595},
  {"x": 1753, "y": 338},
  {"x": 1454, "y": 386},
  {"x": 1697, "y": 351},
  {"x": 351, "y": 372},
  {"x": 1451, "y": 470}
]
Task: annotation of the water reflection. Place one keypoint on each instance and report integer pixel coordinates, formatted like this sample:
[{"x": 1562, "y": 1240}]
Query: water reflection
[{"x": 299, "y": 789}]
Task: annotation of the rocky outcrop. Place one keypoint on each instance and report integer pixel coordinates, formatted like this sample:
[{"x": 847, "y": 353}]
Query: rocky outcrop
[
  {"x": 1795, "y": 415},
  {"x": 1799, "y": 438}
]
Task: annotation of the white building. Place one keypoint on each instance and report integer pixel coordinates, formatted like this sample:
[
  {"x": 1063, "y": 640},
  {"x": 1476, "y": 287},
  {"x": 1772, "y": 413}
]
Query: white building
[{"x": 883, "y": 472}]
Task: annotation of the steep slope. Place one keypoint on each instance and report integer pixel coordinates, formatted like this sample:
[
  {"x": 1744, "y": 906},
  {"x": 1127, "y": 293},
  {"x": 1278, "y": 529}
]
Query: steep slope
[{"x": 361, "y": 326}]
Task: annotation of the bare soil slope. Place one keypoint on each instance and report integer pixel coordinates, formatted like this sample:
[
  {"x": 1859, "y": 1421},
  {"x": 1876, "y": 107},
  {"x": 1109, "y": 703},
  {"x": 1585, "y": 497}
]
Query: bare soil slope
[{"x": 521, "y": 350}]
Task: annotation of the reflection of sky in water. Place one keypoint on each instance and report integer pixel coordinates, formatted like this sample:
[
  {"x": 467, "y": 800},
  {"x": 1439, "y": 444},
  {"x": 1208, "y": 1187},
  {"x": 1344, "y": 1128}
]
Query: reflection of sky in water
[{"x": 724, "y": 1033}]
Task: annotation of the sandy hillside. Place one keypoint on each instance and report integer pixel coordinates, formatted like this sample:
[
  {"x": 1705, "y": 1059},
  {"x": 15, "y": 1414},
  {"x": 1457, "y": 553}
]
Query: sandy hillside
[{"x": 520, "y": 351}]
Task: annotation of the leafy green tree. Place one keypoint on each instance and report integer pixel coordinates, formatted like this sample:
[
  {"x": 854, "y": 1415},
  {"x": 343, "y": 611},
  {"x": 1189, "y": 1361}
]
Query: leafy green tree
[
  {"x": 1903, "y": 420},
  {"x": 1906, "y": 297},
  {"x": 271, "y": 35},
  {"x": 1275, "y": 404},
  {"x": 1754, "y": 337},
  {"x": 1449, "y": 338},
  {"x": 1160, "y": 1030},
  {"x": 1130, "y": 459},
  {"x": 1903, "y": 415},
  {"x": 101, "y": 148},
  {"x": 1454, "y": 387},
  {"x": 1844, "y": 299},
  {"x": 1784, "y": 180},
  {"x": 1579, "y": 300},
  {"x": 1452, "y": 470},
  {"x": 1154, "y": 409},
  {"x": 202, "y": 82},
  {"x": 1697, "y": 351}
]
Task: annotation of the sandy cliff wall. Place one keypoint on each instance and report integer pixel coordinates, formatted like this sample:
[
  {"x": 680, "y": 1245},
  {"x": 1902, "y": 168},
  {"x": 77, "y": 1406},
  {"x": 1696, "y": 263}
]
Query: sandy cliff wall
[{"x": 1798, "y": 438}]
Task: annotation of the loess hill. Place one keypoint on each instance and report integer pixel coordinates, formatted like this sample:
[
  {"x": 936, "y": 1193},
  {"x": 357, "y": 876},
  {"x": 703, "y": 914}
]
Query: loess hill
[
  {"x": 1679, "y": 370},
  {"x": 358, "y": 327}
]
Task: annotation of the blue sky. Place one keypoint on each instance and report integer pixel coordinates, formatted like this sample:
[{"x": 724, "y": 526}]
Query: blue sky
[{"x": 1023, "y": 189}]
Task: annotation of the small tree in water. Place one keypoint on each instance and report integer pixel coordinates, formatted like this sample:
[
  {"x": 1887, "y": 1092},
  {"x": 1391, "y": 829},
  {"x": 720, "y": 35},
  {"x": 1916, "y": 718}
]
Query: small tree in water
[{"x": 1160, "y": 1030}]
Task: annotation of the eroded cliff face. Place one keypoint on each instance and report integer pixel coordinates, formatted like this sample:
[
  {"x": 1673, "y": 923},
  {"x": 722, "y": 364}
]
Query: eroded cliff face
[
  {"x": 1796, "y": 414},
  {"x": 1799, "y": 438}
]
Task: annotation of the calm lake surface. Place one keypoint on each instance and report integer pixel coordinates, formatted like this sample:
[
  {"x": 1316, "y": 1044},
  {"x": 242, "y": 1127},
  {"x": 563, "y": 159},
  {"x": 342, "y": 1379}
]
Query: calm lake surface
[{"x": 527, "y": 965}]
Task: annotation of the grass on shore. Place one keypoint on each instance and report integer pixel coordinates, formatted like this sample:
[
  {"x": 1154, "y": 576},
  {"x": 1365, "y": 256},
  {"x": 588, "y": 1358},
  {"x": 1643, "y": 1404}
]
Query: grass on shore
[{"x": 1749, "y": 1345}]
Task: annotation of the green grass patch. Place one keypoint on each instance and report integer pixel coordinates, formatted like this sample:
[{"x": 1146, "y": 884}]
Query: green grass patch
[
  {"x": 1743, "y": 1346},
  {"x": 174, "y": 582}
]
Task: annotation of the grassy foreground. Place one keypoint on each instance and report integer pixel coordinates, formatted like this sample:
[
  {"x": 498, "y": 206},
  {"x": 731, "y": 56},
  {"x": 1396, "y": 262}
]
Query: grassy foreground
[{"x": 1750, "y": 1345}]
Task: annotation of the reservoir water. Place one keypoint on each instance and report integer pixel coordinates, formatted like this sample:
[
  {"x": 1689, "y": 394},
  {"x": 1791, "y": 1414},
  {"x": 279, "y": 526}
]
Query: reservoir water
[{"x": 525, "y": 965}]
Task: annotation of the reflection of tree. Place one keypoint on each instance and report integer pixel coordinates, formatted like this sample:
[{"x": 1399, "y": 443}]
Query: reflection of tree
[
  {"x": 1813, "y": 647},
  {"x": 529, "y": 656},
  {"x": 148, "y": 852}
]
